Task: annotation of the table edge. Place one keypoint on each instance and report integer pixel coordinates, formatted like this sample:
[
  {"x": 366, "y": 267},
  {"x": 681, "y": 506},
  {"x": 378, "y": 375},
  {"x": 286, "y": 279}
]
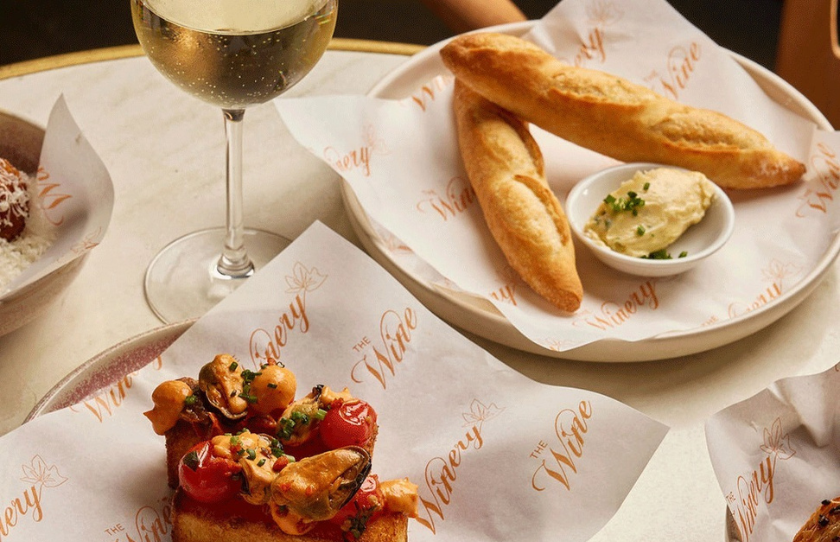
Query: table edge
[{"x": 27, "y": 67}]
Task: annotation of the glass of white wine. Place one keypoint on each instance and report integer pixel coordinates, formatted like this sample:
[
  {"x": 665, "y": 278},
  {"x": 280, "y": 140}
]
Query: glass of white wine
[{"x": 232, "y": 54}]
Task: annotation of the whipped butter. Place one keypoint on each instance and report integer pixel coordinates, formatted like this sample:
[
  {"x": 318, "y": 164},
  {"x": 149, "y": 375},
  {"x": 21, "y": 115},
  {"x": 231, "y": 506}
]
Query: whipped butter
[{"x": 647, "y": 213}]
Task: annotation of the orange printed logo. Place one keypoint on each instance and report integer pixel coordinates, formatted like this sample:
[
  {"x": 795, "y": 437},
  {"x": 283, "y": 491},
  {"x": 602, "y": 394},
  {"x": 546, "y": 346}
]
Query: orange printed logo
[
  {"x": 265, "y": 345},
  {"x": 38, "y": 475},
  {"x": 775, "y": 273},
  {"x": 679, "y": 68},
  {"x": 458, "y": 198},
  {"x": 357, "y": 159},
  {"x": 151, "y": 524},
  {"x": 507, "y": 292},
  {"x": 50, "y": 197},
  {"x": 88, "y": 242},
  {"x": 429, "y": 92},
  {"x": 570, "y": 426},
  {"x": 600, "y": 13},
  {"x": 441, "y": 474},
  {"x": 393, "y": 243},
  {"x": 614, "y": 314},
  {"x": 819, "y": 194},
  {"x": 105, "y": 403},
  {"x": 757, "y": 487},
  {"x": 394, "y": 337}
]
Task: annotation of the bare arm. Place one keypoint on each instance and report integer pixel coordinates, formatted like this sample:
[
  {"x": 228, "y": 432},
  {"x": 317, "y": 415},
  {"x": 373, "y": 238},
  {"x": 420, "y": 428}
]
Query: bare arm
[{"x": 464, "y": 15}]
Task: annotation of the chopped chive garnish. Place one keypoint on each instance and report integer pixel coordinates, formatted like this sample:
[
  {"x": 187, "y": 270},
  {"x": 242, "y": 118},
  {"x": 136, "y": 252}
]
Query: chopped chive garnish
[
  {"x": 251, "y": 454},
  {"x": 190, "y": 400},
  {"x": 640, "y": 231},
  {"x": 191, "y": 460},
  {"x": 232, "y": 367},
  {"x": 272, "y": 385},
  {"x": 321, "y": 413},
  {"x": 261, "y": 462}
]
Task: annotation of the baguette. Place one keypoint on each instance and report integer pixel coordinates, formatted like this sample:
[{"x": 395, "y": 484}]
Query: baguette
[
  {"x": 613, "y": 116},
  {"x": 505, "y": 167}
]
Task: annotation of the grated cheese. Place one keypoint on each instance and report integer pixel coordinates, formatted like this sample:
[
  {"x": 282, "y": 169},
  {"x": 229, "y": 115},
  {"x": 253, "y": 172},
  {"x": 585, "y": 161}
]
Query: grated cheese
[{"x": 33, "y": 242}]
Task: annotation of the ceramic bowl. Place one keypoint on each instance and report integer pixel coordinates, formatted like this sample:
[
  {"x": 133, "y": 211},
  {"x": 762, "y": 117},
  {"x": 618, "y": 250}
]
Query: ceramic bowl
[
  {"x": 699, "y": 242},
  {"x": 20, "y": 143}
]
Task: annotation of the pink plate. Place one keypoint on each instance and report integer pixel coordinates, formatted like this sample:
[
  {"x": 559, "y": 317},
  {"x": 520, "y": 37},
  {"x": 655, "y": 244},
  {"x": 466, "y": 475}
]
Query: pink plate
[{"x": 108, "y": 367}]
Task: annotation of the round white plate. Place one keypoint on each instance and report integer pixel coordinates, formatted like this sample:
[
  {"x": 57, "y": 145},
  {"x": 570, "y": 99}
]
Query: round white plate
[{"x": 477, "y": 315}]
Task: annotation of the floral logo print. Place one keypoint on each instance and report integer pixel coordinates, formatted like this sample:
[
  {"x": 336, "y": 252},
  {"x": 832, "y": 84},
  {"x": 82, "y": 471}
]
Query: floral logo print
[
  {"x": 602, "y": 13},
  {"x": 38, "y": 473},
  {"x": 303, "y": 280},
  {"x": 776, "y": 444},
  {"x": 480, "y": 413},
  {"x": 777, "y": 271}
]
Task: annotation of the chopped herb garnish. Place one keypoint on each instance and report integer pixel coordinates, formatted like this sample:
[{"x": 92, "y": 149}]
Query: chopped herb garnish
[
  {"x": 234, "y": 440},
  {"x": 261, "y": 462},
  {"x": 191, "y": 460},
  {"x": 320, "y": 414},
  {"x": 646, "y": 186},
  {"x": 249, "y": 376},
  {"x": 232, "y": 367},
  {"x": 300, "y": 418},
  {"x": 640, "y": 231},
  {"x": 190, "y": 400},
  {"x": 249, "y": 397},
  {"x": 683, "y": 254},
  {"x": 632, "y": 203},
  {"x": 272, "y": 385},
  {"x": 285, "y": 428},
  {"x": 658, "y": 255},
  {"x": 251, "y": 454}
]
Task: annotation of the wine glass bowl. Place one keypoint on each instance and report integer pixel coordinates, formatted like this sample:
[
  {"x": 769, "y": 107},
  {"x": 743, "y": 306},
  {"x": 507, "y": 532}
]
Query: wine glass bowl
[
  {"x": 232, "y": 54},
  {"x": 244, "y": 55}
]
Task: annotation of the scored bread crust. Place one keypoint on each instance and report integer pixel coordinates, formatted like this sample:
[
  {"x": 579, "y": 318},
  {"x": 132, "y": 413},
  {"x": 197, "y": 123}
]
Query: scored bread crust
[
  {"x": 613, "y": 116},
  {"x": 505, "y": 168},
  {"x": 191, "y": 523}
]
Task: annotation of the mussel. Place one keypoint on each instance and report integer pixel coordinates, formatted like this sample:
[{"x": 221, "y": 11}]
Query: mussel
[
  {"x": 315, "y": 488},
  {"x": 222, "y": 383},
  {"x": 295, "y": 425}
]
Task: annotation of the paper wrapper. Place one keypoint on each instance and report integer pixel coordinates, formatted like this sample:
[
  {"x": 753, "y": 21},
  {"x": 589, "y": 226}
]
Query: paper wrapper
[
  {"x": 401, "y": 158},
  {"x": 497, "y": 456},
  {"x": 74, "y": 198},
  {"x": 777, "y": 455}
]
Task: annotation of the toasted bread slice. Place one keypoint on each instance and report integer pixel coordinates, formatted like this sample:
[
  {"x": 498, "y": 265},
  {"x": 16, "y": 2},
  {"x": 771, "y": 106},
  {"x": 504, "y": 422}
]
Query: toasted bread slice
[{"x": 237, "y": 521}]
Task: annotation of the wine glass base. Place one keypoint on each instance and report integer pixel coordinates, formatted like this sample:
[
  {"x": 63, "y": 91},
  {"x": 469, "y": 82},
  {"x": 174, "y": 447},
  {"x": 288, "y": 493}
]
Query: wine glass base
[{"x": 182, "y": 281}]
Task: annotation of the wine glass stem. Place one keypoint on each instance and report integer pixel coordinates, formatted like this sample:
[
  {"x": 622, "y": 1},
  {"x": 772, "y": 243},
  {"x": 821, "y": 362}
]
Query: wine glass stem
[{"x": 234, "y": 262}]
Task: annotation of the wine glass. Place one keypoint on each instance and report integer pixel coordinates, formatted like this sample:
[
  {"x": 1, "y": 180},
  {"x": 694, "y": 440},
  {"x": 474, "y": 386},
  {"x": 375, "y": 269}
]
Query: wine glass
[{"x": 232, "y": 54}]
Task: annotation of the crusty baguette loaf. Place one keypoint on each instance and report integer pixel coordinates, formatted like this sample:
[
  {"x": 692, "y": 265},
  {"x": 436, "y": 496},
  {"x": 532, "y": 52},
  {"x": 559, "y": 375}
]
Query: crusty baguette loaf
[
  {"x": 613, "y": 116},
  {"x": 193, "y": 522},
  {"x": 505, "y": 167}
]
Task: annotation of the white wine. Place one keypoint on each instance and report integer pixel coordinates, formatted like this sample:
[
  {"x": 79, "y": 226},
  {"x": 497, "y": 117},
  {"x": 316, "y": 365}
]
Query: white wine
[{"x": 234, "y": 53}]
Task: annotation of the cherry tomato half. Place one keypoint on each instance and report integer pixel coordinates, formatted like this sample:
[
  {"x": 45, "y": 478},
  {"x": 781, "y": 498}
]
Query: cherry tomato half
[
  {"x": 348, "y": 424},
  {"x": 365, "y": 505},
  {"x": 206, "y": 477}
]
